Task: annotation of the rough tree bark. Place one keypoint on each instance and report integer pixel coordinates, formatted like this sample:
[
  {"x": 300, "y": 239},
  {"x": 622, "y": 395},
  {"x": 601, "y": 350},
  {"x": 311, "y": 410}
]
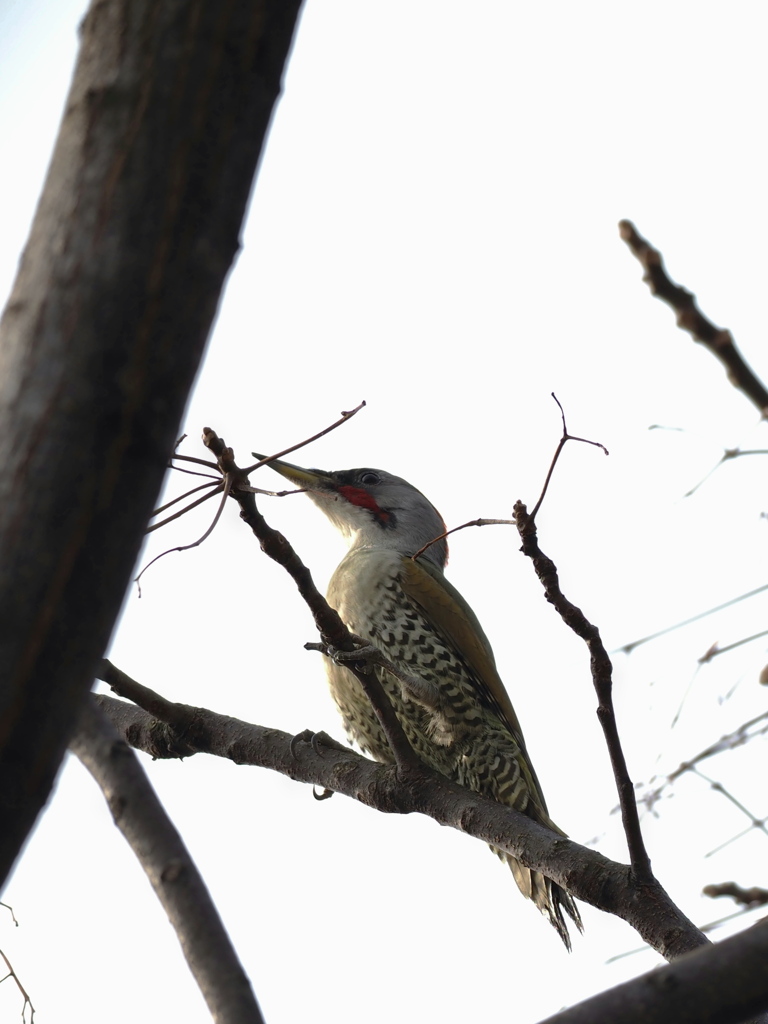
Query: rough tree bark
[{"x": 133, "y": 237}]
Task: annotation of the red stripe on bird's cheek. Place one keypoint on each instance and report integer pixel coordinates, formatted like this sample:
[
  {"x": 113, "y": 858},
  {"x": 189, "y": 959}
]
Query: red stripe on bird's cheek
[{"x": 363, "y": 499}]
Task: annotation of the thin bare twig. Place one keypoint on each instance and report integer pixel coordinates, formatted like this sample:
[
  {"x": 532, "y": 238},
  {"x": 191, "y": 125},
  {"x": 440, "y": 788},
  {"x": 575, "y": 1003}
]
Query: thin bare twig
[
  {"x": 602, "y": 669},
  {"x": 562, "y": 443},
  {"x": 510, "y": 522},
  {"x": 193, "y": 472},
  {"x": 690, "y": 318},
  {"x": 728, "y": 455},
  {"x": 455, "y": 529},
  {"x": 12, "y": 974},
  {"x": 222, "y": 485},
  {"x": 225, "y": 490},
  {"x": 216, "y": 482},
  {"x": 718, "y": 787},
  {"x": 195, "y": 459},
  {"x": 217, "y": 488},
  {"x": 295, "y": 447},
  {"x": 9, "y": 908},
  {"x": 715, "y": 650},
  {"x": 731, "y": 839},
  {"x": 628, "y": 648},
  {"x": 729, "y": 741}
]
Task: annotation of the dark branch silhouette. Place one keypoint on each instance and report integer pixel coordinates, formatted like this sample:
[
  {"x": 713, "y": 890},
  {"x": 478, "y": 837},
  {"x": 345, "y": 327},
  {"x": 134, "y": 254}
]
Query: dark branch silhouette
[
  {"x": 166, "y": 861},
  {"x": 755, "y": 896},
  {"x": 602, "y": 670},
  {"x": 103, "y": 335},
  {"x": 564, "y": 439},
  {"x": 690, "y": 318},
  {"x": 722, "y": 984}
]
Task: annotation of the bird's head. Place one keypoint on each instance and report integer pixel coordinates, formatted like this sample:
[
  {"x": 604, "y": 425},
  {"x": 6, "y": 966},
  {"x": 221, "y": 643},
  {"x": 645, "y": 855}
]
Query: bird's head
[{"x": 375, "y": 509}]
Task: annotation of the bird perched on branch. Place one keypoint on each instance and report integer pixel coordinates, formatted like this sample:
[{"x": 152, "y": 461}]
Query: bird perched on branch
[{"x": 449, "y": 698}]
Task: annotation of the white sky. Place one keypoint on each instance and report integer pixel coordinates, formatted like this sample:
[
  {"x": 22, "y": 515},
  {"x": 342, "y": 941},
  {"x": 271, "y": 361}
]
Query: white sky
[{"x": 434, "y": 230}]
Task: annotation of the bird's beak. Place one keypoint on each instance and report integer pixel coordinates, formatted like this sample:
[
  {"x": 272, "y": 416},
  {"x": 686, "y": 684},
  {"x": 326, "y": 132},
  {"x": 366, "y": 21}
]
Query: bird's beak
[{"x": 310, "y": 478}]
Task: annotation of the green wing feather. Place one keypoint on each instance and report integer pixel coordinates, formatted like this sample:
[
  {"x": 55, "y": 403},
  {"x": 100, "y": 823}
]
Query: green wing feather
[{"x": 447, "y": 610}]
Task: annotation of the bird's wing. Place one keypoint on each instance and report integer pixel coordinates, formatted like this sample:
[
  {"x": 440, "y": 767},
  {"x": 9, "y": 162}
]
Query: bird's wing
[
  {"x": 447, "y": 610},
  {"x": 444, "y": 606}
]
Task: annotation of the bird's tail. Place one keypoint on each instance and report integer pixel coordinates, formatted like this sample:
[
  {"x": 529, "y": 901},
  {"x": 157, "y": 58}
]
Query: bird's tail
[
  {"x": 549, "y": 897},
  {"x": 513, "y": 782}
]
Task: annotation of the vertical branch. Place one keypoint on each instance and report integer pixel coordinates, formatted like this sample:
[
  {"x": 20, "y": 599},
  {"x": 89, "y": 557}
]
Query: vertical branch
[
  {"x": 601, "y": 668},
  {"x": 136, "y": 229},
  {"x": 162, "y": 854}
]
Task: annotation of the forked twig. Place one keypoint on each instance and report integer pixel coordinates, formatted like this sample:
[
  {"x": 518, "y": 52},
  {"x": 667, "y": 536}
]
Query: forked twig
[
  {"x": 27, "y": 1001},
  {"x": 511, "y": 522},
  {"x": 237, "y": 479},
  {"x": 562, "y": 443},
  {"x": 225, "y": 491},
  {"x": 728, "y": 455}
]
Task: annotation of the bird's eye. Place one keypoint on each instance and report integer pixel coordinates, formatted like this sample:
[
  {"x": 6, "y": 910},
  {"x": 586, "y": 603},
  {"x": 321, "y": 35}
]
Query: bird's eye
[{"x": 369, "y": 478}]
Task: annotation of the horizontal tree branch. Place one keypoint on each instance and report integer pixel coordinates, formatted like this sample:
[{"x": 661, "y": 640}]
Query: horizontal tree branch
[
  {"x": 177, "y": 730},
  {"x": 171, "y": 871}
]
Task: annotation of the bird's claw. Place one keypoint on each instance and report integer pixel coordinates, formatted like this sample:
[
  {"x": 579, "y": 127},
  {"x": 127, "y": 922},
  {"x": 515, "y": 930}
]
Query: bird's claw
[
  {"x": 307, "y": 736},
  {"x": 317, "y": 740},
  {"x": 362, "y": 656}
]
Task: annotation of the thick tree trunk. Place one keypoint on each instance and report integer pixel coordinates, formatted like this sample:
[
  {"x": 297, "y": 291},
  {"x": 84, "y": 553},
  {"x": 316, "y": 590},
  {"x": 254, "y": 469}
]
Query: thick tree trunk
[{"x": 135, "y": 232}]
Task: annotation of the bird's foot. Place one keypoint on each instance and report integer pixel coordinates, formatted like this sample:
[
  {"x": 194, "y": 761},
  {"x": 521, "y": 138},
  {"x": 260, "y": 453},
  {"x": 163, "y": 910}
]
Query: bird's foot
[
  {"x": 317, "y": 740},
  {"x": 363, "y": 657}
]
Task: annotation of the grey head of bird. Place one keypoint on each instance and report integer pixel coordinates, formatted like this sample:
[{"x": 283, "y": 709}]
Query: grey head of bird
[{"x": 375, "y": 509}]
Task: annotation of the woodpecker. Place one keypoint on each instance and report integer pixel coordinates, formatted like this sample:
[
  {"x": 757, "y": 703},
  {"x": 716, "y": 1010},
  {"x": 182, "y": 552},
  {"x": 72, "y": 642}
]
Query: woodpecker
[{"x": 455, "y": 711}]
